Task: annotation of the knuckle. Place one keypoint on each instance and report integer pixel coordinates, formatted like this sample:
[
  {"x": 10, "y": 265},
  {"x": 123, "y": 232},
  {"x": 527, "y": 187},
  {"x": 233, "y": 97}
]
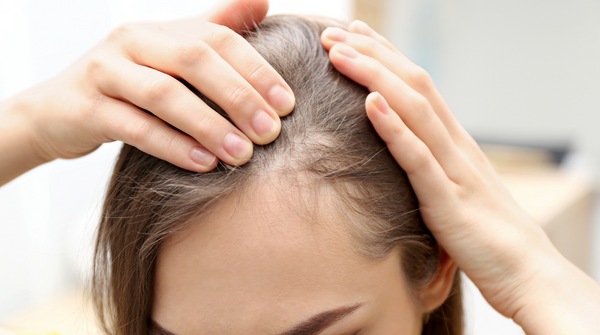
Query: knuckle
[
  {"x": 120, "y": 32},
  {"x": 172, "y": 144},
  {"x": 239, "y": 96},
  {"x": 379, "y": 69},
  {"x": 202, "y": 126},
  {"x": 397, "y": 129},
  {"x": 374, "y": 67},
  {"x": 370, "y": 46},
  {"x": 421, "y": 157},
  {"x": 138, "y": 132},
  {"x": 190, "y": 54},
  {"x": 158, "y": 90},
  {"x": 421, "y": 79},
  {"x": 257, "y": 72},
  {"x": 95, "y": 68},
  {"x": 222, "y": 36},
  {"x": 373, "y": 71},
  {"x": 421, "y": 106}
]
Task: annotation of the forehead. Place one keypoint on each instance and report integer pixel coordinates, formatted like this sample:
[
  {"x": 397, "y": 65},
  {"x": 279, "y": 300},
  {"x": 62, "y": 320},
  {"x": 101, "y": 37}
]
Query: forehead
[{"x": 257, "y": 265}]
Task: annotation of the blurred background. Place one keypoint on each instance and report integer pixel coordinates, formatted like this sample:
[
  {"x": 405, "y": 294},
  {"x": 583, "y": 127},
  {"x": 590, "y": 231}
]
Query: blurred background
[{"x": 522, "y": 76}]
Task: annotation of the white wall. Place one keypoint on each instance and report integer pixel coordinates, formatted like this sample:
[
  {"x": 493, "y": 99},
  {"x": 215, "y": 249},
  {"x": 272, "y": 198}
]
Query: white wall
[
  {"x": 48, "y": 216},
  {"x": 521, "y": 69},
  {"x": 524, "y": 70}
]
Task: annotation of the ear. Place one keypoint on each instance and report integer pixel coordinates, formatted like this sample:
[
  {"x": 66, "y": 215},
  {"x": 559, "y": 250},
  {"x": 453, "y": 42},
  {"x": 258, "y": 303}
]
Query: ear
[
  {"x": 434, "y": 295},
  {"x": 239, "y": 15}
]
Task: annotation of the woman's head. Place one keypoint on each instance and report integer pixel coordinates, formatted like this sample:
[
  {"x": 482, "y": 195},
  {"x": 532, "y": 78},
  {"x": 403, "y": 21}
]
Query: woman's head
[{"x": 322, "y": 220}]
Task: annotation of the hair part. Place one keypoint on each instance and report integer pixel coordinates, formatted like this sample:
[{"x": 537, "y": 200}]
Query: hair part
[{"x": 327, "y": 141}]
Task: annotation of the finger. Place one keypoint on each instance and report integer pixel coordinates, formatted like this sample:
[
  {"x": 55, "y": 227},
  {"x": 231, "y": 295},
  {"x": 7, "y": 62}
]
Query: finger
[
  {"x": 204, "y": 69},
  {"x": 243, "y": 58},
  {"x": 395, "y": 61},
  {"x": 412, "y": 74},
  {"x": 368, "y": 42},
  {"x": 413, "y": 108},
  {"x": 359, "y": 27},
  {"x": 174, "y": 103},
  {"x": 426, "y": 176},
  {"x": 239, "y": 15},
  {"x": 135, "y": 127}
]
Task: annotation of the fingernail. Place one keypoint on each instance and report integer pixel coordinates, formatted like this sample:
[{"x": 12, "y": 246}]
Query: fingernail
[
  {"x": 236, "y": 146},
  {"x": 262, "y": 123},
  {"x": 381, "y": 104},
  {"x": 335, "y": 34},
  {"x": 202, "y": 156},
  {"x": 347, "y": 51},
  {"x": 280, "y": 99}
]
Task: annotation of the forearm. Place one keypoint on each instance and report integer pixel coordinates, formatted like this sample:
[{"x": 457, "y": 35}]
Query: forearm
[
  {"x": 562, "y": 300},
  {"x": 18, "y": 154}
]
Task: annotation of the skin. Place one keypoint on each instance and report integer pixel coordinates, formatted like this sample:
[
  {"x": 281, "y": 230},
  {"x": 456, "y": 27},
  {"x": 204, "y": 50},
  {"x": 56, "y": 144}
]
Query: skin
[
  {"x": 99, "y": 98},
  {"x": 256, "y": 267},
  {"x": 464, "y": 202},
  {"x": 462, "y": 199}
]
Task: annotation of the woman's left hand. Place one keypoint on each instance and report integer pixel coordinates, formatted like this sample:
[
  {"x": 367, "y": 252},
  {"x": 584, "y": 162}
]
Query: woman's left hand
[{"x": 461, "y": 197}]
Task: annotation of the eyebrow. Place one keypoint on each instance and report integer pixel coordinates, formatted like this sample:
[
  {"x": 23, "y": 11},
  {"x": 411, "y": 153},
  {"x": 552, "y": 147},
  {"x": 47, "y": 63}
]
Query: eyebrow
[
  {"x": 316, "y": 324},
  {"x": 312, "y": 326}
]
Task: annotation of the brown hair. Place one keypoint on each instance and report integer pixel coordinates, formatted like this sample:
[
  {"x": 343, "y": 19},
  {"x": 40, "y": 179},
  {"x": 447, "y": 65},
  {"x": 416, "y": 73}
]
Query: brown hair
[{"x": 327, "y": 138}]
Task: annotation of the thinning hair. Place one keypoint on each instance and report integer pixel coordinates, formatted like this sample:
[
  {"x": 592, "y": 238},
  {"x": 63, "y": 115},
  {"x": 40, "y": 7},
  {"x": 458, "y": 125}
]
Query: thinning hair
[{"x": 326, "y": 141}]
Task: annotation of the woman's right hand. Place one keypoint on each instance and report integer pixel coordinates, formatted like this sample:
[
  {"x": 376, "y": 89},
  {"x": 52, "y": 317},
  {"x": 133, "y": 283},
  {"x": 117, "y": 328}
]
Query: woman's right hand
[
  {"x": 462, "y": 199},
  {"x": 100, "y": 98}
]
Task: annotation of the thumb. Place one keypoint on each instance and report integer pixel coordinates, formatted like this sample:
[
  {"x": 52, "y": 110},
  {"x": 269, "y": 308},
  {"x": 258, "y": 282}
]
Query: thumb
[{"x": 239, "y": 15}]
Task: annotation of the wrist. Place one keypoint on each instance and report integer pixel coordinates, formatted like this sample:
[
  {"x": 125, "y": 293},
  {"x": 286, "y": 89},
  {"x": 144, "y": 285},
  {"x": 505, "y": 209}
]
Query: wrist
[
  {"x": 19, "y": 147},
  {"x": 559, "y": 299}
]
